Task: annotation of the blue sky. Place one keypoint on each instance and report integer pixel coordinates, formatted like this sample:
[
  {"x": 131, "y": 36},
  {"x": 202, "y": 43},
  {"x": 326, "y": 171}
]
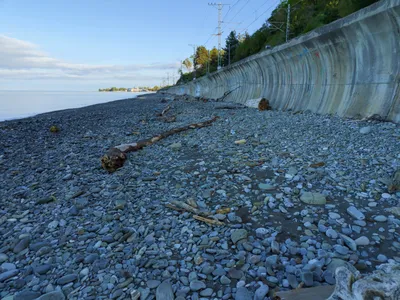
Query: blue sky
[{"x": 88, "y": 44}]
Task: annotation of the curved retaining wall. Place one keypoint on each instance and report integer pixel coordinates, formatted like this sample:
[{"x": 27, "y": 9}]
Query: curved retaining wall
[{"x": 350, "y": 67}]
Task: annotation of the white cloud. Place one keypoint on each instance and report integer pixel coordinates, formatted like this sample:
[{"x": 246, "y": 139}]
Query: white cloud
[{"x": 23, "y": 60}]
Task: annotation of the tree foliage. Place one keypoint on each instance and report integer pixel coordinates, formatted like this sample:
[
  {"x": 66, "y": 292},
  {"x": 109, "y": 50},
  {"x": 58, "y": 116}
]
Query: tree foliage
[
  {"x": 188, "y": 64},
  {"x": 201, "y": 57},
  {"x": 213, "y": 59},
  {"x": 231, "y": 43}
]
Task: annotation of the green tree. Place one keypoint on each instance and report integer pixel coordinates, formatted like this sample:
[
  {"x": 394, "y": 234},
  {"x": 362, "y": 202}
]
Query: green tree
[
  {"x": 242, "y": 51},
  {"x": 188, "y": 64},
  {"x": 201, "y": 57},
  {"x": 230, "y": 47},
  {"x": 347, "y": 7},
  {"x": 213, "y": 59}
]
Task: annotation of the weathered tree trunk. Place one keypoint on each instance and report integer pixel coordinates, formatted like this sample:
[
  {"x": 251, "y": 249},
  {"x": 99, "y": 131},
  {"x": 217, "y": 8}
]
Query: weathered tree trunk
[
  {"x": 116, "y": 156},
  {"x": 260, "y": 103}
]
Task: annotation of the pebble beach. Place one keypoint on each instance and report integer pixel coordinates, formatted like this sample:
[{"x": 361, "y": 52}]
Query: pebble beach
[{"x": 293, "y": 197}]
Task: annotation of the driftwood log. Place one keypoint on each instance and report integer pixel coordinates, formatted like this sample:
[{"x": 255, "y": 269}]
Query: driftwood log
[
  {"x": 165, "y": 110},
  {"x": 116, "y": 156},
  {"x": 226, "y": 94},
  {"x": 260, "y": 103}
]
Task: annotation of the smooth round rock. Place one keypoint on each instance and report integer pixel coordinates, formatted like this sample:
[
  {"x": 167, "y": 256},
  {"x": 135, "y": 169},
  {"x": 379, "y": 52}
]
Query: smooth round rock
[
  {"x": 243, "y": 293},
  {"x": 362, "y": 241},
  {"x": 380, "y": 218},
  {"x": 331, "y": 233},
  {"x": 164, "y": 291},
  {"x": 197, "y": 285},
  {"x": 334, "y": 215}
]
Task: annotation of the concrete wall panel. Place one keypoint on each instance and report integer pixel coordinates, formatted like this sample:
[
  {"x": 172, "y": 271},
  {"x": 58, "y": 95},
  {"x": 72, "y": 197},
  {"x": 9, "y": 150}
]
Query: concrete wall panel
[{"x": 350, "y": 67}]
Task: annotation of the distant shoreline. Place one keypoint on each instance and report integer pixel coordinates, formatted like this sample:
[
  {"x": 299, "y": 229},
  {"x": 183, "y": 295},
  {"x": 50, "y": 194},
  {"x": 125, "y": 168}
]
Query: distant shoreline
[{"x": 20, "y": 105}]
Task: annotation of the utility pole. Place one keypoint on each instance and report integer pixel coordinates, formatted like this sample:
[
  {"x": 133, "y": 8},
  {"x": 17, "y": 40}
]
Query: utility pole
[
  {"x": 208, "y": 62},
  {"x": 220, "y": 7},
  {"x": 288, "y": 23},
  {"x": 168, "y": 78},
  {"x": 194, "y": 59},
  {"x": 229, "y": 49},
  {"x": 229, "y": 55}
]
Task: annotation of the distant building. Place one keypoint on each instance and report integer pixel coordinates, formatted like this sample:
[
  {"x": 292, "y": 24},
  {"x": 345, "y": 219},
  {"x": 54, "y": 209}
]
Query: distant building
[{"x": 134, "y": 89}]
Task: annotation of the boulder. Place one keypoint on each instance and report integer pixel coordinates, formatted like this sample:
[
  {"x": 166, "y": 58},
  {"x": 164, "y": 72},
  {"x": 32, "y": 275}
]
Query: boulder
[
  {"x": 384, "y": 283},
  {"x": 313, "y": 198}
]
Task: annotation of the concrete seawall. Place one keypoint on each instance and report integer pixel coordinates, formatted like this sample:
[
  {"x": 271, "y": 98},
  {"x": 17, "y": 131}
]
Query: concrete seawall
[{"x": 350, "y": 67}]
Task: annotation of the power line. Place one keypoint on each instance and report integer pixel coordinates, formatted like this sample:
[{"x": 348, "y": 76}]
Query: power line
[
  {"x": 258, "y": 17},
  {"x": 255, "y": 11},
  {"x": 255, "y": 18},
  {"x": 237, "y": 12},
  {"x": 211, "y": 36},
  {"x": 230, "y": 8}
]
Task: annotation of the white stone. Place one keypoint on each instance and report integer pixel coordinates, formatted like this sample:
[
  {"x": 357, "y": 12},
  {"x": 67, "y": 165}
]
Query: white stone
[
  {"x": 349, "y": 242},
  {"x": 84, "y": 272},
  {"x": 175, "y": 146},
  {"x": 395, "y": 211},
  {"x": 3, "y": 257},
  {"x": 365, "y": 130},
  {"x": 380, "y": 218},
  {"x": 313, "y": 198},
  {"x": 362, "y": 241},
  {"x": 266, "y": 186},
  {"x": 53, "y": 225},
  {"x": 331, "y": 233},
  {"x": 334, "y": 215},
  {"x": 355, "y": 213},
  {"x": 261, "y": 232}
]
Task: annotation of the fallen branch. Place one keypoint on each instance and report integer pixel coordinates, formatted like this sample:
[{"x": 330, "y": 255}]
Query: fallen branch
[
  {"x": 164, "y": 111},
  {"x": 188, "y": 208},
  {"x": 208, "y": 221},
  {"x": 227, "y": 93},
  {"x": 174, "y": 207},
  {"x": 116, "y": 156},
  {"x": 185, "y": 207}
]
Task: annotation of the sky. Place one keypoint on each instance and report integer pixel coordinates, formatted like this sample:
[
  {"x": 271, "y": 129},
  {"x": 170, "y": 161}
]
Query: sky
[{"x": 84, "y": 45}]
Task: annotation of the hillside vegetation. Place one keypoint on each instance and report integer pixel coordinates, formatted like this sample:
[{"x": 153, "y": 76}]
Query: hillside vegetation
[{"x": 305, "y": 16}]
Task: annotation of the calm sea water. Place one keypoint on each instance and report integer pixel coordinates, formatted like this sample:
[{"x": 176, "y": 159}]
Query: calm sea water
[{"x": 20, "y": 104}]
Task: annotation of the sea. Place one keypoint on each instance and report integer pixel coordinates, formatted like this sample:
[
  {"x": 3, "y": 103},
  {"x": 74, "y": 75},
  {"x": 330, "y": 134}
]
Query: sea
[{"x": 21, "y": 104}]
